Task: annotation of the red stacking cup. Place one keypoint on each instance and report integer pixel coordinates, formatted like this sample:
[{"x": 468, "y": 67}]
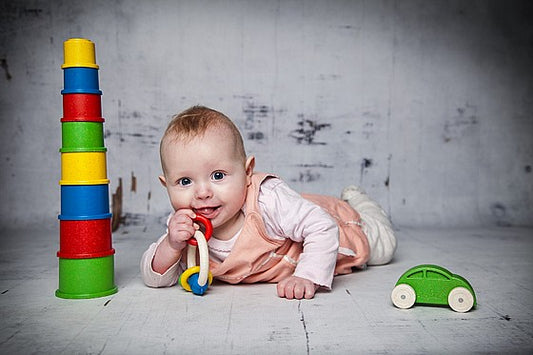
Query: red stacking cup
[
  {"x": 82, "y": 107},
  {"x": 85, "y": 239}
]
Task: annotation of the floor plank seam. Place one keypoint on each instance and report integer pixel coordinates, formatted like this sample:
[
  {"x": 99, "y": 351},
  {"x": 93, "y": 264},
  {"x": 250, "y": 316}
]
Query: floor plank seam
[{"x": 302, "y": 319}]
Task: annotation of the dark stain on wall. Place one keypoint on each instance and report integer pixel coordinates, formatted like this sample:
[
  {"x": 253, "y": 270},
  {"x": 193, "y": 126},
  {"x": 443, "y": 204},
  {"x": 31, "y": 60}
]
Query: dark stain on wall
[
  {"x": 307, "y": 131},
  {"x": 107, "y": 133},
  {"x": 328, "y": 77},
  {"x": 3, "y": 64},
  {"x": 461, "y": 123},
  {"x": 307, "y": 176},
  {"x": 252, "y": 111},
  {"x": 317, "y": 165},
  {"x": 32, "y": 12},
  {"x": 387, "y": 180},
  {"x": 365, "y": 164},
  {"x": 371, "y": 119},
  {"x": 527, "y": 169},
  {"x": 499, "y": 213},
  {"x": 368, "y": 130},
  {"x": 309, "y": 173},
  {"x": 255, "y": 136},
  {"x": 143, "y": 138},
  {"x": 256, "y": 115},
  {"x": 129, "y": 115},
  {"x": 134, "y": 219}
]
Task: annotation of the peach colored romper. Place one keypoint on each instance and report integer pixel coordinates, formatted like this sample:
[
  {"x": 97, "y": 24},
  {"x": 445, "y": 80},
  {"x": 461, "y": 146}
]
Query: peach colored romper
[{"x": 256, "y": 257}]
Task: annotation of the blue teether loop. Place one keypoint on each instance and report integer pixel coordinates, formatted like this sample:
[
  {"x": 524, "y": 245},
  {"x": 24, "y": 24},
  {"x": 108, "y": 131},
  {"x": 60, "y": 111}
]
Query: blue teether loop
[{"x": 193, "y": 283}]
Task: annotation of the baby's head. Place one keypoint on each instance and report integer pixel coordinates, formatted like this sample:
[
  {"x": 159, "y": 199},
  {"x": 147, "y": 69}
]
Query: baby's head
[
  {"x": 195, "y": 121},
  {"x": 204, "y": 164}
]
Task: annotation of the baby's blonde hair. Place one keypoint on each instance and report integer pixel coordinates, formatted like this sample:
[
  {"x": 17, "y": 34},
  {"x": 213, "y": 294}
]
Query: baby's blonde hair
[{"x": 195, "y": 121}]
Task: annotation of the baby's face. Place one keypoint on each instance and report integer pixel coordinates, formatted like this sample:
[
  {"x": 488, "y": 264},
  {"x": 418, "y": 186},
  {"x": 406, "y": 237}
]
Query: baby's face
[{"x": 206, "y": 175}]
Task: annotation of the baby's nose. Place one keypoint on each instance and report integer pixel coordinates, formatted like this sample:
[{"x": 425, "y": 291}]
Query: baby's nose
[{"x": 203, "y": 191}]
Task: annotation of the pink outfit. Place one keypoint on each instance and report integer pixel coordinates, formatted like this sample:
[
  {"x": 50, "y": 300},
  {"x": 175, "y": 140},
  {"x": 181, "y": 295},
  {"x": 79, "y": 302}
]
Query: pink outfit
[{"x": 283, "y": 235}]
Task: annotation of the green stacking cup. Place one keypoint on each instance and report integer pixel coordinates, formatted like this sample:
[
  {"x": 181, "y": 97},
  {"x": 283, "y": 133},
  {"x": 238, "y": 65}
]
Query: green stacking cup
[
  {"x": 86, "y": 278},
  {"x": 82, "y": 137}
]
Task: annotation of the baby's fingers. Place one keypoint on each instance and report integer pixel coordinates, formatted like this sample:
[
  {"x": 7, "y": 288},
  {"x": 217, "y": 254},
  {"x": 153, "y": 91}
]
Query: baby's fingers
[
  {"x": 183, "y": 216},
  {"x": 181, "y": 227},
  {"x": 297, "y": 288}
]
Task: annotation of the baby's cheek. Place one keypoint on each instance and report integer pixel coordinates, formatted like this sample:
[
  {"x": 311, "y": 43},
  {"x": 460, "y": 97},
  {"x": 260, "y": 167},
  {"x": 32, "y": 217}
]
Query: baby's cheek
[{"x": 179, "y": 201}]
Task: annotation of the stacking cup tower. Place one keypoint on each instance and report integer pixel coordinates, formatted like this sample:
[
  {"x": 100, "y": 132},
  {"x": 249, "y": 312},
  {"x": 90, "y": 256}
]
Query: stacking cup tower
[{"x": 86, "y": 256}]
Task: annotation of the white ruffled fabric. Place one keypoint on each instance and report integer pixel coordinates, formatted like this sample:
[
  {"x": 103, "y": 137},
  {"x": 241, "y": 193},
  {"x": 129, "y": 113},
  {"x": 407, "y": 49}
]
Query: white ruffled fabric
[{"x": 376, "y": 225}]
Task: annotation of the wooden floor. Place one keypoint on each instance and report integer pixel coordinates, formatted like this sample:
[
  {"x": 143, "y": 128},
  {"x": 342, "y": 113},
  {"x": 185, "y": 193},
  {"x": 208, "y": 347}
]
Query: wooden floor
[{"x": 356, "y": 317}]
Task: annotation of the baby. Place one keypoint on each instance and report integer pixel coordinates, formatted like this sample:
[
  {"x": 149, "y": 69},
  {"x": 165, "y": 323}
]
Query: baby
[{"x": 263, "y": 231}]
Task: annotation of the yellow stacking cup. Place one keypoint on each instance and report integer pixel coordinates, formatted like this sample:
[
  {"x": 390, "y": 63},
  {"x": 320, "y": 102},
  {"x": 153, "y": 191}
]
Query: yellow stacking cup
[
  {"x": 83, "y": 168},
  {"x": 79, "y": 52}
]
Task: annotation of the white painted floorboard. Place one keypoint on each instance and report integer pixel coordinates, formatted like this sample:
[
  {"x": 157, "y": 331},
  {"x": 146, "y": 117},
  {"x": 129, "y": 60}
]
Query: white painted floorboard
[{"x": 356, "y": 317}]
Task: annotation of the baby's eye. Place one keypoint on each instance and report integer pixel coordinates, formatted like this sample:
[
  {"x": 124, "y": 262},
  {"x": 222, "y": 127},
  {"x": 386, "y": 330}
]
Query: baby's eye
[
  {"x": 184, "y": 181},
  {"x": 218, "y": 175}
]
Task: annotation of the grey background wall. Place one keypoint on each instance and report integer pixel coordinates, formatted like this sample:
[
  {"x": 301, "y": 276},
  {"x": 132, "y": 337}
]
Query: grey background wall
[{"x": 425, "y": 104}]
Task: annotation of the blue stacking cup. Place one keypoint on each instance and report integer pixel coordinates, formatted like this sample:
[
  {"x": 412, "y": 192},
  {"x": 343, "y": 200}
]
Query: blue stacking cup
[
  {"x": 80, "y": 80},
  {"x": 84, "y": 202}
]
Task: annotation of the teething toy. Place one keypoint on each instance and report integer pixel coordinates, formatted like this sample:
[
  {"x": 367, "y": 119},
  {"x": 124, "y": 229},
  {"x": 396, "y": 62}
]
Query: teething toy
[{"x": 196, "y": 279}]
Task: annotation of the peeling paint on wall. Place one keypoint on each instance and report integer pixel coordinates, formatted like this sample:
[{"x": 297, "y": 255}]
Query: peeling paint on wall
[
  {"x": 307, "y": 131},
  {"x": 116, "y": 206},
  {"x": 258, "y": 120},
  {"x": 133, "y": 187}
]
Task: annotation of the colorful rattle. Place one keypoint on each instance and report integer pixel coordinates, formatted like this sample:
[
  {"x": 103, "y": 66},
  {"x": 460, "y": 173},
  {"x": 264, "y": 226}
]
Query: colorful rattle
[{"x": 196, "y": 279}]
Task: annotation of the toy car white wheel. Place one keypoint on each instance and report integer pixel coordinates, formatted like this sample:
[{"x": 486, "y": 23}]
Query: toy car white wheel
[
  {"x": 460, "y": 299},
  {"x": 403, "y": 296}
]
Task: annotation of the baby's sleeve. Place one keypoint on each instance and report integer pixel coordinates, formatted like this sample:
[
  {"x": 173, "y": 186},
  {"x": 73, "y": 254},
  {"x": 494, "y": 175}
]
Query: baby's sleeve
[
  {"x": 288, "y": 215},
  {"x": 152, "y": 278}
]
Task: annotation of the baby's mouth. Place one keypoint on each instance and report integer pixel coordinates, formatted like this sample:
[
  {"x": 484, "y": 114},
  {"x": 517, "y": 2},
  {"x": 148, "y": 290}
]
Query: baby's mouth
[{"x": 208, "y": 212}]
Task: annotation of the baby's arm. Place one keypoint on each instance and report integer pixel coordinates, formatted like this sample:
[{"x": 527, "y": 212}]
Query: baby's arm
[
  {"x": 159, "y": 264},
  {"x": 288, "y": 215},
  {"x": 180, "y": 229}
]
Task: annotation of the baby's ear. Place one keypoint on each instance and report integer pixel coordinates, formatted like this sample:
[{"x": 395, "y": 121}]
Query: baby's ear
[
  {"x": 249, "y": 166},
  {"x": 162, "y": 180}
]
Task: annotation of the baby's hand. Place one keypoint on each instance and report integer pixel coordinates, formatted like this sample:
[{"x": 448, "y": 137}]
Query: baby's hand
[
  {"x": 296, "y": 287},
  {"x": 181, "y": 228}
]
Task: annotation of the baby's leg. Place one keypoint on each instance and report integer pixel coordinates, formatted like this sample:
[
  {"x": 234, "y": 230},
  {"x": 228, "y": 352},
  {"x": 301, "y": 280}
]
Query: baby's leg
[{"x": 376, "y": 225}]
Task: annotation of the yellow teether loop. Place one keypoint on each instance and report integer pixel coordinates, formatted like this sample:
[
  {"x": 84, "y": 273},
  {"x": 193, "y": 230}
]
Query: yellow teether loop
[{"x": 184, "y": 278}]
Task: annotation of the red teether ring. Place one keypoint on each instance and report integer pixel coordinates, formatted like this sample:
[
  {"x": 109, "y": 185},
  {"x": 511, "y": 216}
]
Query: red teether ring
[{"x": 208, "y": 229}]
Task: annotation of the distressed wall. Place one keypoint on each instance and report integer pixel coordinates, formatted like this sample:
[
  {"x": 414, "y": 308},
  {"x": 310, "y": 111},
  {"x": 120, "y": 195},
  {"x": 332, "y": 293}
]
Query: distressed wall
[{"x": 425, "y": 104}]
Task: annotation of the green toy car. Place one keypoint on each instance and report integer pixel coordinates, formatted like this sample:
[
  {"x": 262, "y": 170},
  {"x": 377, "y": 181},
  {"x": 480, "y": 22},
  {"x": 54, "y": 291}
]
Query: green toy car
[{"x": 433, "y": 285}]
